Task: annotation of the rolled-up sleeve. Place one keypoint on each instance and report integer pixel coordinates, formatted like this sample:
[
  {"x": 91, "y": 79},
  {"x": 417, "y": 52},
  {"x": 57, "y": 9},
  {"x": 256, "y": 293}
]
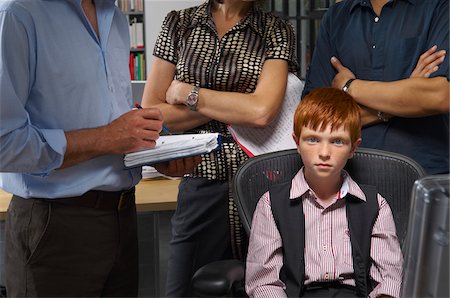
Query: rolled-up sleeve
[{"x": 24, "y": 147}]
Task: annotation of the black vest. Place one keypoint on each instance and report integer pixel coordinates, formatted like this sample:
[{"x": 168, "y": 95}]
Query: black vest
[{"x": 290, "y": 220}]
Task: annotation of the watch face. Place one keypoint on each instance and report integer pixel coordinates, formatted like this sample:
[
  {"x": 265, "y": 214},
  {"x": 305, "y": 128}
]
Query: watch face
[{"x": 192, "y": 99}]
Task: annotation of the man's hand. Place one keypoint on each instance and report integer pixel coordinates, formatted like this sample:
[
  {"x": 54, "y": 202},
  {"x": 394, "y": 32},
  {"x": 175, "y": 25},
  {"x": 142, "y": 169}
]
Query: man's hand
[
  {"x": 428, "y": 63},
  {"x": 178, "y": 167},
  {"x": 368, "y": 116},
  {"x": 134, "y": 131},
  {"x": 343, "y": 74}
]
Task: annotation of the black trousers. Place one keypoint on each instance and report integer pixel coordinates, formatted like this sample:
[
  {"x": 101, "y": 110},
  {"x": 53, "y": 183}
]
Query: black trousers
[
  {"x": 64, "y": 250},
  {"x": 200, "y": 232}
]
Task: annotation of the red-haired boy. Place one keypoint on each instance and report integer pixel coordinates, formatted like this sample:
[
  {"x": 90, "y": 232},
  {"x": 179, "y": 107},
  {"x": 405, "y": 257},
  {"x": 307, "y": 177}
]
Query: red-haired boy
[{"x": 303, "y": 232}]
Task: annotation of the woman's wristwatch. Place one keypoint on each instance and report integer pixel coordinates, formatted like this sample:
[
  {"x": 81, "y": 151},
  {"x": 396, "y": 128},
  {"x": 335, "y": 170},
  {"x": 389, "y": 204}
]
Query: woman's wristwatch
[{"x": 192, "y": 98}]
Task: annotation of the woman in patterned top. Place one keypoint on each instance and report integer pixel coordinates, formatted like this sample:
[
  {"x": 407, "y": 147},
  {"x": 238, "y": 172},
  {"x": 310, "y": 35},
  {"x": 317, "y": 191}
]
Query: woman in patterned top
[{"x": 232, "y": 60}]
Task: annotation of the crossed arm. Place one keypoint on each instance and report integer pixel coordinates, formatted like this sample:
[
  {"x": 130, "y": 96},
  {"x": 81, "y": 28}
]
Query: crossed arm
[
  {"x": 252, "y": 109},
  {"x": 416, "y": 96}
]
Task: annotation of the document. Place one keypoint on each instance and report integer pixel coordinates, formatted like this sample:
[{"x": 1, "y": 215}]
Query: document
[
  {"x": 174, "y": 147},
  {"x": 278, "y": 134}
]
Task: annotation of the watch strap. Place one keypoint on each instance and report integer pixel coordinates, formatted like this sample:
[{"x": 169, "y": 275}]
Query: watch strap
[{"x": 347, "y": 85}]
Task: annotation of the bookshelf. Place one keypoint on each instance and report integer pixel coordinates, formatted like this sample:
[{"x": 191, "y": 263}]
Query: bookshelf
[{"x": 135, "y": 13}]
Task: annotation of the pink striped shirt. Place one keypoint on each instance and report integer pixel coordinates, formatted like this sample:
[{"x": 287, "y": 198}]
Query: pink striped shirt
[{"x": 327, "y": 244}]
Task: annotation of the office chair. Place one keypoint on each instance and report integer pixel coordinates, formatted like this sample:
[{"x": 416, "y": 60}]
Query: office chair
[{"x": 393, "y": 175}]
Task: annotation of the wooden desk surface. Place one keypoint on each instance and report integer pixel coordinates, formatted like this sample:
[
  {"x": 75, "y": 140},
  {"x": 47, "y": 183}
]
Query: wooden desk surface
[{"x": 151, "y": 195}]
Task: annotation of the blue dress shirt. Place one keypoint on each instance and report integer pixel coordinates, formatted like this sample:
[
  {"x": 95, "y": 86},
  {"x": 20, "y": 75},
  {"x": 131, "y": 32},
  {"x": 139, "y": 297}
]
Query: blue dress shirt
[
  {"x": 387, "y": 48},
  {"x": 56, "y": 75}
]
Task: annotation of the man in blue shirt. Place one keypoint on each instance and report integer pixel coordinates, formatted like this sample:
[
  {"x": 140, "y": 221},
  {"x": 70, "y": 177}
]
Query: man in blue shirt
[
  {"x": 370, "y": 48},
  {"x": 66, "y": 121}
]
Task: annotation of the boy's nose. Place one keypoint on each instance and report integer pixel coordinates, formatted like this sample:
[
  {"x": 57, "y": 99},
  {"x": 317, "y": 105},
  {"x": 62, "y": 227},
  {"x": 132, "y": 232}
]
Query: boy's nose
[{"x": 324, "y": 153}]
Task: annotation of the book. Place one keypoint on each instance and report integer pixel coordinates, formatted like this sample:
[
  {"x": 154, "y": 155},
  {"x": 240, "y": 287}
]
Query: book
[
  {"x": 171, "y": 147},
  {"x": 278, "y": 134}
]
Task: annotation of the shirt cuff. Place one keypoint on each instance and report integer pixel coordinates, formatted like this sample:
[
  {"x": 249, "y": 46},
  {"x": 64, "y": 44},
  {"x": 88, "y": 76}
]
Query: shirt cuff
[
  {"x": 391, "y": 288},
  {"x": 57, "y": 141}
]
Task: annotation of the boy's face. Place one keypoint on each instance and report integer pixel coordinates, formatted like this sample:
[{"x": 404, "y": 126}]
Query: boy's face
[{"x": 325, "y": 153}]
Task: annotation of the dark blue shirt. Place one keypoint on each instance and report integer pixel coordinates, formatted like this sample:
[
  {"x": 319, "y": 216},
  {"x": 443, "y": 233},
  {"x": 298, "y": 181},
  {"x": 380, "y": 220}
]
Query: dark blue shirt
[{"x": 387, "y": 48}]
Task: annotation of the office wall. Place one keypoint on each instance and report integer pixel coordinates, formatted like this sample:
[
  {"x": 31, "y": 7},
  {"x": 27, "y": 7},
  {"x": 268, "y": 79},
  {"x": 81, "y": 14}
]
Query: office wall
[{"x": 155, "y": 13}]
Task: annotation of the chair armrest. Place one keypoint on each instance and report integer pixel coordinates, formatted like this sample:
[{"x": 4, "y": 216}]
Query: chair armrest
[{"x": 217, "y": 278}]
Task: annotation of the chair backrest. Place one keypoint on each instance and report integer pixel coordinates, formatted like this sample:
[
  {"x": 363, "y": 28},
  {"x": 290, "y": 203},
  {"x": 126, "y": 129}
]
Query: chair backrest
[{"x": 393, "y": 175}]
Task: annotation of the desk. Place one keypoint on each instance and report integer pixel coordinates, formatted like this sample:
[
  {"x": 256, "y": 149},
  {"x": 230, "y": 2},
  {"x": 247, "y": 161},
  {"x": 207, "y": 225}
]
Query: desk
[{"x": 151, "y": 195}]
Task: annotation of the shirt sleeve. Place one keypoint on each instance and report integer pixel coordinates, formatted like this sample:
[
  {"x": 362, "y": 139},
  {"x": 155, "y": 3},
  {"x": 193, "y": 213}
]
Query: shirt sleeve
[
  {"x": 320, "y": 72},
  {"x": 438, "y": 35},
  {"x": 24, "y": 147},
  {"x": 167, "y": 41},
  {"x": 281, "y": 43},
  {"x": 264, "y": 258},
  {"x": 386, "y": 254}
]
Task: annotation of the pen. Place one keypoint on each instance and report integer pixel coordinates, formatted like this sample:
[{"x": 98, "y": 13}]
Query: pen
[{"x": 165, "y": 129}]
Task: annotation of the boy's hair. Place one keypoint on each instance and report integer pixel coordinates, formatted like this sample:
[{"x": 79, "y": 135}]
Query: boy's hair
[{"x": 326, "y": 106}]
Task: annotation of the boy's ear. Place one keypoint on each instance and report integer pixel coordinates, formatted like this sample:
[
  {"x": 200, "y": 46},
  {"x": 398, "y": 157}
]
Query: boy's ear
[
  {"x": 295, "y": 138},
  {"x": 354, "y": 147}
]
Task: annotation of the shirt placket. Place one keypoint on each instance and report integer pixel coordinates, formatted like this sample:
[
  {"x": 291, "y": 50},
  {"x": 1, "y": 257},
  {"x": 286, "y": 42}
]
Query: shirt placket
[
  {"x": 326, "y": 252},
  {"x": 377, "y": 46}
]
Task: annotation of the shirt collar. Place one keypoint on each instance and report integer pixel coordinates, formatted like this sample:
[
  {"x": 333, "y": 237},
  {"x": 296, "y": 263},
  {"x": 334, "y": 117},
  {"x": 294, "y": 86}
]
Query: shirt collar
[
  {"x": 367, "y": 3},
  {"x": 253, "y": 19},
  {"x": 300, "y": 187}
]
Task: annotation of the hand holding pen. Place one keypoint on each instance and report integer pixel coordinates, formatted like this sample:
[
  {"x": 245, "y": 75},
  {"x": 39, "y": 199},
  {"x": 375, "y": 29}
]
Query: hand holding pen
[{"x": 164, "y": 129}]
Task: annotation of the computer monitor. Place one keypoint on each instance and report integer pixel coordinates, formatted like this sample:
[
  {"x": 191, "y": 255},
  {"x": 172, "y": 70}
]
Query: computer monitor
[{"x": 426, "y": 250}]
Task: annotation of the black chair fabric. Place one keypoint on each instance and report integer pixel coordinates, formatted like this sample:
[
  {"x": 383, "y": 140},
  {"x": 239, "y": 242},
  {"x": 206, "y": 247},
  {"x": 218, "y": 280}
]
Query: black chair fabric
[{"x": 393, "y": 175}]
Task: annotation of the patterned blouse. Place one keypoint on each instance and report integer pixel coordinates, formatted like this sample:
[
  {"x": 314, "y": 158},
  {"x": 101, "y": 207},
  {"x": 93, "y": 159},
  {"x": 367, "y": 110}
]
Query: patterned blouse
[{"x": 189, "y": 40}]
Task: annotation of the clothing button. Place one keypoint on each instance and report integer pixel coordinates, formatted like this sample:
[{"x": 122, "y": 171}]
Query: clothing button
[
  {"x": 324, "y": 248},
  {"x": 377, "y": 19},
  {"x": 326, "y": 276},
  {"x": 373, "y": 47}
]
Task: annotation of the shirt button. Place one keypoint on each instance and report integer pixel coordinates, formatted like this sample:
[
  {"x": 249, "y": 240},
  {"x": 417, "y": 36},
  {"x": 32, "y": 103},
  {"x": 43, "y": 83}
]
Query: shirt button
[
  {"x": 324, "y": 248},
  {"x": 377, "y": 19},
  {"x": 327, "y": 276},
  {"x": 373, "y": 47}
]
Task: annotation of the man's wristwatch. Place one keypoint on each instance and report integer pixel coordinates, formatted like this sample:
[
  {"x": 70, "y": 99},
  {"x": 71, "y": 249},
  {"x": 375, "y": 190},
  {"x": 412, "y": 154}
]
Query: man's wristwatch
[
  {"x": 192, "y": 98},
  {"x": 347, "y": 85},
  {"x": 382, "y": 117}
]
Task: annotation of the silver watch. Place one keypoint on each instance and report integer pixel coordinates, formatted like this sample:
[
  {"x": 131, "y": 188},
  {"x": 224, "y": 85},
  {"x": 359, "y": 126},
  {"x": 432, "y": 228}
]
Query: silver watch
[{"x": 192, "y": 98}]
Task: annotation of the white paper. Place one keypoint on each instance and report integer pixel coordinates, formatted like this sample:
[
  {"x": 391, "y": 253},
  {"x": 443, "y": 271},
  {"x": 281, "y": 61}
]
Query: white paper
[
  {"x": 278, "y": 134},
  {"x": 173, "y": 147}
]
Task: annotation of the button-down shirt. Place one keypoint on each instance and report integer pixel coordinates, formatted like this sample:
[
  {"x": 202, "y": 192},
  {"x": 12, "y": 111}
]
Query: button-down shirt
[
  {"x": 328, "y": 253},
  {"x": 387, "y": 48},
  {"x": 232, "y": 63},
  {"x": 56, "y": 75}
]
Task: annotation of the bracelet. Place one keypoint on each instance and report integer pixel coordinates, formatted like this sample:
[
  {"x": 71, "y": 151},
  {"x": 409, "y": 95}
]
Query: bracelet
[
  {"x": 347, "y": 85},
  {"x": 382, "y": 117}
]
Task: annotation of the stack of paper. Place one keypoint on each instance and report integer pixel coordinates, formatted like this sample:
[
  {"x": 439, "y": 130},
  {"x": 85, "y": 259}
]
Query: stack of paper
[
  {"x": 149, "y": 172},
  {"x": 278, "y": 134},
  {"x": 173, "y": 147}
]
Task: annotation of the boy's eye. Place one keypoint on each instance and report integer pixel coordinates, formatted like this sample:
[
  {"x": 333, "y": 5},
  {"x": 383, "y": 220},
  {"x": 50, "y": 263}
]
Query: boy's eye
[
  {"x": 312, "y": 140},
  {"x": 338, "y": 142}
]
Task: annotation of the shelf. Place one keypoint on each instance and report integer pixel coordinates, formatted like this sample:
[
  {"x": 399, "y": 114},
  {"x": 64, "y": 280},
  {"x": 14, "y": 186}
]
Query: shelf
[
  {"x": 133, "y": 13},
  {"x": 137, "y": 50}
]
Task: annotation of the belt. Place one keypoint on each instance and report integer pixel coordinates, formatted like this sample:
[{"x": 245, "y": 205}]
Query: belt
[
  {"x": 327, "y": 284},
  {"x": 100, "y": 199}
]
